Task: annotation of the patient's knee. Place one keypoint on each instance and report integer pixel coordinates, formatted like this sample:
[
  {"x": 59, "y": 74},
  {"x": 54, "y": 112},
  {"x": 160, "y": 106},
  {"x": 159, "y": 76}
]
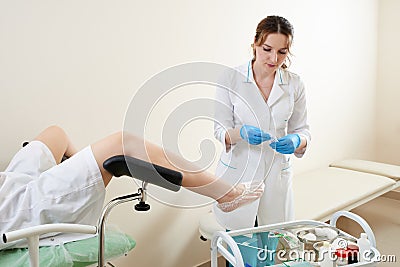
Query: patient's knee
[{"x": 56, "y": 130}]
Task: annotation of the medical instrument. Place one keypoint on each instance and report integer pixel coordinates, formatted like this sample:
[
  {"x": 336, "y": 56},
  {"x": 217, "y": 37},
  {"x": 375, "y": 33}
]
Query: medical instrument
[
  {"x": 341, "y": 255},
  {"x": 288, "y": 239},
  {"x": 352, "y": 254},
  {"x": 364, "y": 247},
  {"x": 117, "y": 166},
  {"x": 224, "y": 244},
  {"x": 273, "y": 139},
  {"x": 313, "y": 238},
  {"x": 318, "y": 234},
  {"x": 287, "y": 144},
  {"x": 325, "y": 258}
]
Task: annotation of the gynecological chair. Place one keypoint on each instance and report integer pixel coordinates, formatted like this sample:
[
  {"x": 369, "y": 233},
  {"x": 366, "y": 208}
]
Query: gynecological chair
[{"x": 117, "y": 166}]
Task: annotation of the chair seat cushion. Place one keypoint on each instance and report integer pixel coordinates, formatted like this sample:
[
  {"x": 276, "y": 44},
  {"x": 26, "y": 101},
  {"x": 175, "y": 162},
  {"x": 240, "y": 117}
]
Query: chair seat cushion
[{"x": 77, "y": 253}]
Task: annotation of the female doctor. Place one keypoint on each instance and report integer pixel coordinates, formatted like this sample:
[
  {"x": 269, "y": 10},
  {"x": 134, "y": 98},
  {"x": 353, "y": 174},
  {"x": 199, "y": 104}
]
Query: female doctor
[{"x": 261, "y": 101}]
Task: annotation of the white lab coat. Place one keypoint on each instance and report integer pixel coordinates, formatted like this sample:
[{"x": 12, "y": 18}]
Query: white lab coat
[{"x": 284, "y": 112}]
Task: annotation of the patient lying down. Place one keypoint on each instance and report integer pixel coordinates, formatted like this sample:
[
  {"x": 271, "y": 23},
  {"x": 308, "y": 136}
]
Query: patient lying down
[{"x": 37, "y": 188}]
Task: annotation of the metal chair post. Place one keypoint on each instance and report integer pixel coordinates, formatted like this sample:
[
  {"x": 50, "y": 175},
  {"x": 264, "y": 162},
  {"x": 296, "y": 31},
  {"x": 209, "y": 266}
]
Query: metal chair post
[{"x": 102, "y": 220}]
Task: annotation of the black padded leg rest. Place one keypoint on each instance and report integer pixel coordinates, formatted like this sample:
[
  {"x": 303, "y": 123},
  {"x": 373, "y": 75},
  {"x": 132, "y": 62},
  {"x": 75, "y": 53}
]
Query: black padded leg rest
[{"x": 145, "y": 171}]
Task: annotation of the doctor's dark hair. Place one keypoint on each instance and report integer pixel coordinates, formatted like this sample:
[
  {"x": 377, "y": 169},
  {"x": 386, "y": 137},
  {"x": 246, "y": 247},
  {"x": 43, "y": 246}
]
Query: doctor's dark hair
[{"x": 273, "y": 24}]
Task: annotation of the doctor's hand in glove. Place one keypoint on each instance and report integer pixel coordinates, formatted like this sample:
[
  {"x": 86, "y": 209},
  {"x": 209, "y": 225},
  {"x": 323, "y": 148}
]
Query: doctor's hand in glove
[
  {"x": 287, "y": 144},
  {"x": 253, "y": 135},
  {"x": 249, "y": 193}
]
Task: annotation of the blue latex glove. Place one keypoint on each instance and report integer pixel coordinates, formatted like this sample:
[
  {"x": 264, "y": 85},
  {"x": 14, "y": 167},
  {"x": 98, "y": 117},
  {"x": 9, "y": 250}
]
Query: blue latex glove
[
  {"x": 253, "y": 135},
  {"x": 287, "y": 144}
]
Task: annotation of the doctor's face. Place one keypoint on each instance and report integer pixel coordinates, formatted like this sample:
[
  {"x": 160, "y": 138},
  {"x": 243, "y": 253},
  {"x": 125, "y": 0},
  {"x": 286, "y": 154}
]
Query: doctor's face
[{"x": 273, "y": 52}]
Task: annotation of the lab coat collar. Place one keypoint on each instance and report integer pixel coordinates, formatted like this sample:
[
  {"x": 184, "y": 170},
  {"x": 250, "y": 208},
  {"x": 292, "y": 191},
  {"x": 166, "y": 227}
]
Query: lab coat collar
[
  {"x": 281, "y": 78},
  {"x": 277, "y": 90},
  {"x": 281, "y": 75}
]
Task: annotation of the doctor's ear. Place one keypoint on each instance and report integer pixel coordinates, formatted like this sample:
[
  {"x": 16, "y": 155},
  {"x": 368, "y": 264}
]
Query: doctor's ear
[{"x": 253, "y": 49}]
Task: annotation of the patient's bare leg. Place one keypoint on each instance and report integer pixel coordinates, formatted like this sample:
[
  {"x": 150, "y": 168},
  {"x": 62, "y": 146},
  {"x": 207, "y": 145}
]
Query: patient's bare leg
[
  {"x": 57, "y": 141},
  {"x": 137, "y": 147}
]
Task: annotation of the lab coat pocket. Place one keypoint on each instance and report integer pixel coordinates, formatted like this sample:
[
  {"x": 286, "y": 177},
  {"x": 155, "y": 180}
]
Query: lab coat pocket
[
  {"x": 286, "y": 163},
  {"x": 286, "y": 188},
  {"x": 286, "y": 171}
]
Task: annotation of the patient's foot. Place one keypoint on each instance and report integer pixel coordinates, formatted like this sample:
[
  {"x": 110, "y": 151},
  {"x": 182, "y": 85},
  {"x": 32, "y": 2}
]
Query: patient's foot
[{"x": 240, "y": 195}]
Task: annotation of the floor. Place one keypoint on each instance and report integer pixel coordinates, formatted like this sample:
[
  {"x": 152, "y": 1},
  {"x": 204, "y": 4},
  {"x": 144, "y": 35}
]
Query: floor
[{"x": 383, "y": 215}]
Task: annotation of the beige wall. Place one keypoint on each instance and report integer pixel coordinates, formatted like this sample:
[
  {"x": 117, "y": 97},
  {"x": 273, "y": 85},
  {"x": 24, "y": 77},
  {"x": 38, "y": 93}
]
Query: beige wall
[
  {"x": 78, "y": 63},
  {"x": 388, "y": 93}
]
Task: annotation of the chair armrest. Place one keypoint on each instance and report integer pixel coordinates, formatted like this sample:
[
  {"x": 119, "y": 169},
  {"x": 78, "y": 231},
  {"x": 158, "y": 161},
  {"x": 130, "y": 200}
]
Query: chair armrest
[
  {"x": 48, "y": 228},
  {"x": 31, "y": 234}
]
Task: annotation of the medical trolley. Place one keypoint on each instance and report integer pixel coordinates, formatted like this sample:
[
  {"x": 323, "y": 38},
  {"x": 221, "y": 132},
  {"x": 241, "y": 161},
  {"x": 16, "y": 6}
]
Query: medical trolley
[{"x": 294, "y": 243}]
